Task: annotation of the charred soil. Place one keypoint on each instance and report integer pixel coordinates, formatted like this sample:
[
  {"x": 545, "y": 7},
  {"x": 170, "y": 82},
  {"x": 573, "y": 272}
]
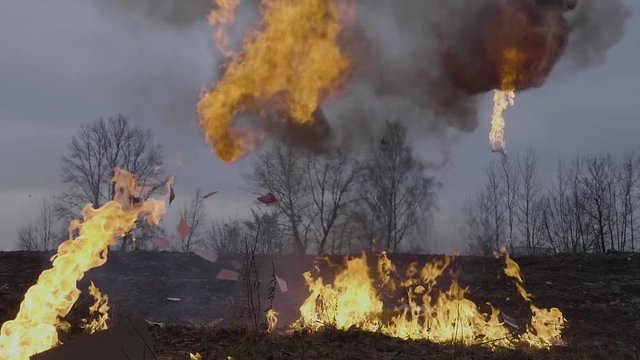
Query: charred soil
[{"x": 599, "y": 296}]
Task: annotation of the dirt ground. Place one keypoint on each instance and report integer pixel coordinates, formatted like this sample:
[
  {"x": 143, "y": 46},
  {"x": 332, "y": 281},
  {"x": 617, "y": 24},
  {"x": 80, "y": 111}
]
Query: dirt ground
[{"x": 599, "y": 296}]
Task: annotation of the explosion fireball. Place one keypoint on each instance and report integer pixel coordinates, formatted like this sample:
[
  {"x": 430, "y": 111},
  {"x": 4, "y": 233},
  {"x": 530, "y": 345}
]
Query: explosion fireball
[{"x": 291, "y": 65}]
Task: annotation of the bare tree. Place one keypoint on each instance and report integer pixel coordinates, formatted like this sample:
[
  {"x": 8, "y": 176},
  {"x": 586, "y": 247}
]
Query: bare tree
[
  {"x": 193, "y": 214},
  {"x": 627, "y": 183},
  {"x": 93, "y": 154},
  {"x": 281, "y": 171},
  {"x": 265, "y": 228},
  {"x": 561, "y": 217},
  {"x": 226, "y": 239},
  {"x": 494, "y": 198},
  {"x": 597, "y": 184},
  {"x": 529, "y": 201},
  {"x": 331, "y": 178},
  {"x": 510, "y": 183},
  {"x": 395, "y": 188},
  {"x": 480, "y": 226},
  {"x": 40, "y": 235},
  {"x": 27, "y": 238}
]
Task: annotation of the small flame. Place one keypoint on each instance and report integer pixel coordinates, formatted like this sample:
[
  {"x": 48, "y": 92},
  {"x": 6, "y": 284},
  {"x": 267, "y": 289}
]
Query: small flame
[
  {"x": 101, "y": 307},
  {"x": 34, "y": 328},
  {"x": 429, "y": 312},
  {"x": 272, "y": 320},
  {"x": 291, "y": 64},
  {"x": 195, "y": 356},
  {"x": 504, "y": 97}
]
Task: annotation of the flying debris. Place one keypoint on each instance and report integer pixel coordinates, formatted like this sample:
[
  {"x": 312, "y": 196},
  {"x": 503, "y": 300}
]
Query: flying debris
[
  {"x": 209, "y": 195},
  {"x": 267, "y": 199},
  {"x": 184, "y": 229},
  {"x": 172, "y": 194}
]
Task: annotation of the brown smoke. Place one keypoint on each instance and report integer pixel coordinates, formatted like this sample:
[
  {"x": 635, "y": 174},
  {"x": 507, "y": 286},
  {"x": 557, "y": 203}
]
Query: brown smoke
[{"x": 538, "y": 33}]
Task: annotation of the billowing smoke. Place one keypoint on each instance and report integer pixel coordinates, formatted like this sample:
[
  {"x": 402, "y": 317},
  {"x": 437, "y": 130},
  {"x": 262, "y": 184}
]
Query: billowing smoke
[
  {"x": 595, "y": 27},
  {"x": 424, "y": 63}
]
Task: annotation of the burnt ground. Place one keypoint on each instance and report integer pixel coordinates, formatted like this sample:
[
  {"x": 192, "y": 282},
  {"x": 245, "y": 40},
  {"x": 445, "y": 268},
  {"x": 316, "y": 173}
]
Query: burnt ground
[{"x": 599, "y": 296}]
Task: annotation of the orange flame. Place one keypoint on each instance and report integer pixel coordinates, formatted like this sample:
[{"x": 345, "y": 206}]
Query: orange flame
[
  {"x": 546, "y": 324},
  {"x": 219, "y": 20},
  {"x": 291, "y": 64},
  {"x": 101, "y": 307},
  {"x": 504, "y": 97},
  {"x": 441, "y": 316},
  {"x": 35, "y": 327}
]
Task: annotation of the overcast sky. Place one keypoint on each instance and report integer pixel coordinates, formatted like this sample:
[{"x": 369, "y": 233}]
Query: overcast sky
[{"x": 69, "y": 62}]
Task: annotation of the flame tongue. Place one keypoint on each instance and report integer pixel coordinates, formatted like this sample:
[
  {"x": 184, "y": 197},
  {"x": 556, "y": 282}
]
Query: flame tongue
[
  {"x": 505, "y": 96},
  {"x": 292, "y": 64},
  {"x": 51, "y": 298}
]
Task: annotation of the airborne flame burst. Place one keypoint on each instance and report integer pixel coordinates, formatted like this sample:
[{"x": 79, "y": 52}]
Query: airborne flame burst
[{"x": 292, "y": 64}]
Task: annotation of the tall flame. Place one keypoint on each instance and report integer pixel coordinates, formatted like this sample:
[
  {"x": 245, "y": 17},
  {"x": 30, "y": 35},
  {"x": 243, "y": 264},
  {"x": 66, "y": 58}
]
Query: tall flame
[
  {"x": 292, "y": 64},
  {"x": 48, "y": 301},
  {"x": 504, "y": 97},
  {"x": 431, "y": 310}
]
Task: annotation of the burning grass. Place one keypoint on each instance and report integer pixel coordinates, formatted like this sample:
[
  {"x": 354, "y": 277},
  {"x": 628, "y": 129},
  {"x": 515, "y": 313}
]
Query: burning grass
[{"x": 431, "y": 307}]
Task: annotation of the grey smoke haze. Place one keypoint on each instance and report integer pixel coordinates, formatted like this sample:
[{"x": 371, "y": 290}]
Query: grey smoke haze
[
  {"x": 71, "y": 62},
  {"x": 595, "y": 27}
]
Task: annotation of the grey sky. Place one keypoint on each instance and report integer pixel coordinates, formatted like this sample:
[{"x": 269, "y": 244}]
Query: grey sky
[{"x": 69, "y": 62}]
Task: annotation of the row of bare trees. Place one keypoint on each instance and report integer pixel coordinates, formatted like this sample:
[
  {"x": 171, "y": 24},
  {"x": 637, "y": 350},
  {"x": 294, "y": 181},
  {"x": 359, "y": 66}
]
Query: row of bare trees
[
  {"x": 88, "y": 168},
  {"x": 588, "y": 206},
  {"x": 334, "y": 202}
]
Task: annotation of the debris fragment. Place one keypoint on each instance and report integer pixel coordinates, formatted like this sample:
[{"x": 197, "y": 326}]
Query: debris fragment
[
  {"x": 226, "y": 274},
  {"x": 126, "y": 340},
  {"x": 153, "y": 323},
  {"x": 282, "y": 284},
  {"x": 509, "y": 320},
  {"x": 209, "y": 194},
  {"x": 267, "y": 199},
  {"x": 208, "y": 254},
  {"x": 161, "y": 244},
  {"x": 172, "y": 194},
  {"x": 184, "y": 229}
]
